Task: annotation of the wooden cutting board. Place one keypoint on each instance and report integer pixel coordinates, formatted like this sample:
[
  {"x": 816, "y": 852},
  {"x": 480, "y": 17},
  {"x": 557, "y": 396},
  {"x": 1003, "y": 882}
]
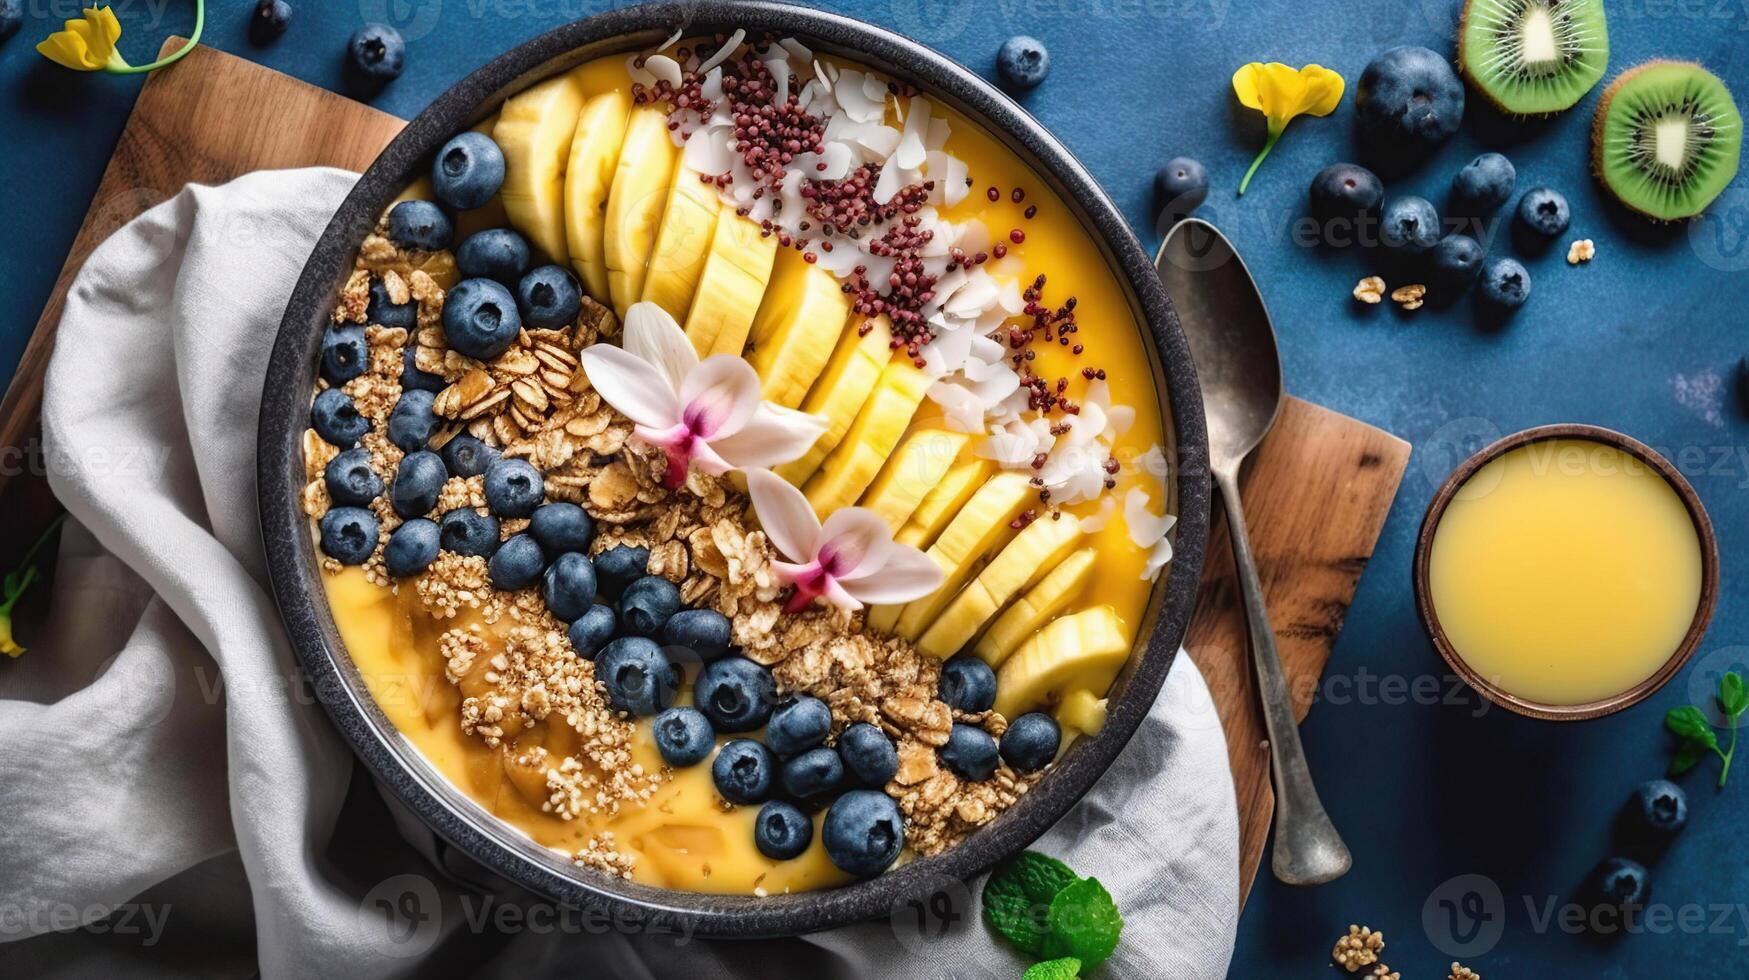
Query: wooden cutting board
[{"x": 1316, "y": 495}]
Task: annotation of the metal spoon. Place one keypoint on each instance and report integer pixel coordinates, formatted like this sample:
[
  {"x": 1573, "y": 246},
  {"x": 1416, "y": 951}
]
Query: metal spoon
[{"x": 1233, "y": 345}]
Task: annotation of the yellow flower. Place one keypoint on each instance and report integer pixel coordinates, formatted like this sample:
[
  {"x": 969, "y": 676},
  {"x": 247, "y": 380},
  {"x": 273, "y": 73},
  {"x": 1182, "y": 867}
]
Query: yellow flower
[
  {"x": 7, "y": 645},
  {"x": 1281, "y": 93},
  {"x": 89, "y": 44}
]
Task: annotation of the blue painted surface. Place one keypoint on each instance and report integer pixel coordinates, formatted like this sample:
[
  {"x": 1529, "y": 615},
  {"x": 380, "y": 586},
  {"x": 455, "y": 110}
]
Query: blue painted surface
[{"x": 1643, "y": 339}]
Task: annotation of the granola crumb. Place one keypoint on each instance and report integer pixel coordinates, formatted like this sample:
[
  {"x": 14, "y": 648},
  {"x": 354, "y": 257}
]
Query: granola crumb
[
  {"x": 1360, "y": 948},
  {"x": 1410, "y": 296},
  {"x": 1462, "y": 972},
  {"x": 1581, "y": 251},
  {"x": 1383, "y": 972},
  {"x": 600, "y": 854},
  {"x": 1370, "y": 290}
]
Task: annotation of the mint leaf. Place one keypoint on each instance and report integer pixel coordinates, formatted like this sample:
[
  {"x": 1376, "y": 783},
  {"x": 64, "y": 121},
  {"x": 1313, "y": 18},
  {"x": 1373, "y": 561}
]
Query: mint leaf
[
  {"x": 1084, "y": 923},
  {"x": 1687, "y": 757},
  {"x": 1017, "y": 898},
  {"x": 1688, "y": 722},
  {"x": 1733, "y": 694},
  {"x": 1067, "y": 968}
]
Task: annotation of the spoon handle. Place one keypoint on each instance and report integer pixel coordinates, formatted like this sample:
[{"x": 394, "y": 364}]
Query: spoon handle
[{"x": 1308, "y": 850}]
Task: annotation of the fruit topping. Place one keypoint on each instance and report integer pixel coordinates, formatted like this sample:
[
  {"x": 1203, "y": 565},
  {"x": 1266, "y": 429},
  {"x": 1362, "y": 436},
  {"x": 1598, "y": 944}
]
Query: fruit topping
[
  {"x": 863, "y": 832},
  {"x": 1408, "y": 98},
  {"x": 591, "y": 631},
  {"x": 1544, "y": 211},
  {"x": 1483, "y": 184},
  {"x": 638, "y": 676},
  {"x": 419, "y": 480},
  {"x": 349, "y": 534},
  {"x": 412, "y": 547},
  {"x": 744, "y": 771},
  {"x": 420, "y": 225},
  {"x": 1505, "y": 284},
  {"x": 735, "y": 693},
  {"x": 646, "y": 605},
  {"x": 1533, "y": 57},
  {"x": 1181, "y": 185},
  {"x": 1666, "y": 139},
  {"x": 1031, "y": 741},
  {"x": 468, "y": 171},
  {"x": 570, "y": 586},
  {"x": 683, "y": 736},
  {"x": 782, "y": 831},
  {"x": 1023, "y": 61}
]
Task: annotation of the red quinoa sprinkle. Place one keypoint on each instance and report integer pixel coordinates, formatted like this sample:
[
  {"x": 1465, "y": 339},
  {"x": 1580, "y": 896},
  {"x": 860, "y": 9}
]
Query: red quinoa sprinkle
[
  {"x": 999, "y": 250},
  {"x": 1031, "y": 211},
  {"x": 1017, "y": 236},
  {"x": 1017, "y": 195},
  {"x": 993, "y": 194}
]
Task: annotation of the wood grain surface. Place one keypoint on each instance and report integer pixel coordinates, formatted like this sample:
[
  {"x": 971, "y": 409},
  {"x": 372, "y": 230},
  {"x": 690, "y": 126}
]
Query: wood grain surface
[{"x": 1316, "y": 494}]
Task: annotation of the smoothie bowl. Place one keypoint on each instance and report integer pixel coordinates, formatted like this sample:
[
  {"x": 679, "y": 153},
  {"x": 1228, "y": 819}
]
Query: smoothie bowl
[{"x": 726, "y": 463}]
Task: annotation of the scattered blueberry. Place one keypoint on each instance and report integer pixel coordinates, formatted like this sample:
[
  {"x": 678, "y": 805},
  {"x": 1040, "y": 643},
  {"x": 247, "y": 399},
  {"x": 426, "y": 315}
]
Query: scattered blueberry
[
  {"x": 466, "y": 456},
  {"x": 683, "y": 736},
  {"x": 549, "y": 298},
  {"x": 467, "y": 171},
  {"x": 377, "y": 52},
  {"x": 468, "y": 532},
  {"x": 1346, "y": 190},
  {"x": 412, "y": 547},
  {"x": 970, "y": 752},
  {"x": 863, "y": 832},
  {"x": 562, "y": 527},
  {"x": 1484, "y": 184},
  {"x": 591, "y": 631},
  {"x": 1023, "y": 61},
  {"x": 1660, "y": 807},
  {"x": 1455, "y": 262},
  {"x": 516, "y": 564},
  {"x": 743, "y": 771},
  {"x": 1544, "y": 211},
  {"x": 498, "y": 254},
  {"x": 638, "y": 677},
  {"x": 782, "y": 831},
  {"x": 345, "y": 354},
  {"x": 349, "y": 534},
  {"x": 420, "y": 225},
  {"x": 703, "y": 631},
  {"x": 513, "y": 487},
  {"x": 813, "y": 775},
  {"x": 480, "y": 318},
  {"x": 1031, "y": 741},
  {"x": 11, "y": 17},
  {"x": 1409, "y": 225},
  {"x": 1506, "y": 284},
  {"x": 411, "y": 421},
  {"x": 570, "y": 586},
  {"x": 335, "y": 418},
  {"x": 266, "y": 24},
  {"x": 968, "y": 684},
  {"x": 1409, "y": 95},
  {"x": 351, "y": 480},
  {"x": 1181, "y": 185},
  {"x": 1622, "y": 882},
  {"x": 868, "y": 754},
  {"x": 797, "y": 725},
  {"x": 419, "y": 479},
  {"x": 385, "y": 312},
  {"x": 735, "y": 693},
  {"x": 619, "y": 566},
  {"x": 413, "y": 379},
  {"x": 647, "y": 603}
]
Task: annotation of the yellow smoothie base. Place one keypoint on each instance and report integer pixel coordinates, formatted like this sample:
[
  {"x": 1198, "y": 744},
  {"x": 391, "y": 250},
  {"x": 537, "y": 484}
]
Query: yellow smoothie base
[{"x": 1565, "y": 572}]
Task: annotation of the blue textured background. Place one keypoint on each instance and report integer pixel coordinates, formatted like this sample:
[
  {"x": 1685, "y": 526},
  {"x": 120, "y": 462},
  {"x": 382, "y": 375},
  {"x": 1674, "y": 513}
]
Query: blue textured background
[{"x": 1643, "y": 339}]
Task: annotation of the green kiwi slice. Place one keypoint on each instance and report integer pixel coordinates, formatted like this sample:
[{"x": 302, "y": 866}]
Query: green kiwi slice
[
  {"x": 1533, "y": 57},
  {"x": 1666, "y": 139}
]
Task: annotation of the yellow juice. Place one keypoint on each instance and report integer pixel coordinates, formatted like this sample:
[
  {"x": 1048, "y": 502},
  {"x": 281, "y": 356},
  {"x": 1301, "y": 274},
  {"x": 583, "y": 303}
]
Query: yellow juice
[{"x": 1565, "y": 571}]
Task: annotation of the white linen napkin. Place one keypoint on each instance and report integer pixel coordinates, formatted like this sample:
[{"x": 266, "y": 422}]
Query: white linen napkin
[{"x": 162, "y": 761}]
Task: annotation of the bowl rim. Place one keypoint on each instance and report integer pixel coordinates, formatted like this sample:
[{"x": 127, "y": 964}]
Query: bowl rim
[
  {"x": 1709, "y": 582},
  {"x": 409, "y": 778}
]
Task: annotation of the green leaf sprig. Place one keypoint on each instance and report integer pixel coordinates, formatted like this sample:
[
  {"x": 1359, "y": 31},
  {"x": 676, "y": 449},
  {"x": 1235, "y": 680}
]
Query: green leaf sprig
[
  {"x": 1068, "y": 922},
  {"x": 1690, "y": 724}
]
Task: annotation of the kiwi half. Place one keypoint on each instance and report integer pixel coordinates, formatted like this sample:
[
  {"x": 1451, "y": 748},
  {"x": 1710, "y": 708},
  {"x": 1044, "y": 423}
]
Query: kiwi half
[
  {"x": 1666, "y": 139},
  {"x": 1533, "y": 57}
]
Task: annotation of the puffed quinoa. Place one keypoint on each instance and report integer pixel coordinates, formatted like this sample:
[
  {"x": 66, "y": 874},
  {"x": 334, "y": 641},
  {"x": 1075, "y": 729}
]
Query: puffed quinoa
[
  {"x": 1462, "y": 972},
  {"x": 1383, "y": 972},
  {"x": 1361, "y": 947},
  {"x": 1581, "y": 251},
  {"x": 1409, "y": 297},
  {"x": 1370, "y": 290}
]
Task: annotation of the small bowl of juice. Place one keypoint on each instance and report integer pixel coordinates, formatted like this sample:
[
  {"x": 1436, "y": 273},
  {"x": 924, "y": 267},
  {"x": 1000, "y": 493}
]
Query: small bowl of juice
[{"x": 1566, "y": 571}]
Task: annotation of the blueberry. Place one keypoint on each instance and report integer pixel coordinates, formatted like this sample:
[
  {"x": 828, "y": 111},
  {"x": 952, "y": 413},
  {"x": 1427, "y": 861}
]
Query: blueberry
[
  {"x": 797, "y": 725},
  {"x": 420, "y": 225},
  {"x": 468, "y": 532},
  {"x": 1484, "y": 184},
  {"x": 385, "y": 312},
  {"x": 619, "y": 566},
  {"x": 683, "y": 736},
  {"x": 351, "y": 480},
  {"x": 412, "y": 547},
  {"x": 868, "y": 754},
  {"x": 1031, "y": 741},
  {"x": 549, "y": 298},
  {"x": 349, "y": 534},
  {"x": 1456, "y": 262},
  {"x": 782, "y": 831},
  {"x": 1409, "y": 225},
  {"x": 744, "y": 771},
  {"x": 345, "y": 353},
  {"x": 968, "y": 684},
  {"x": 1409, "y": 95},
  {"x": 1023, "y": 61},
  {"x": 498, "y": 254},
  {"x": 703, "y": 631},
  {"x": 411, "y": 421},
  {"x": 570, "y": 586},
  {"x": 735, "y": 693},
  {"x": 377, "y": 52},
  {"x": 513, "y": 487},
  {"x": 1181, "y": 185},
  {"x": 591, "y": 631},
  {"x": 970, "y": 752},
  {"x": 413, "y": 379},
  {"x": 1659, "y": 807},
  {"x": 1346, "y": 191},
  {"x": 480, "y": 318},
  {"x": 11, "y": 17},
  {"x": 418, "y": 482},
  {"x": 267, "y": 23},
  {"x": 467, "y": 171},
  {"x": 813, "y": 775},
  {"x": 335, "y": 418},
  {"x": 1544, "y": 211},
  {"x": 639, "y": 678},
  {"x": 863, "y": 832},
  {"x": 516, "y": 564},
  {"x": 1506, "y": 284},
  {"x": 647, "y": 603},
  {"x": 562, "y": 527},
  {"x": 466, "y": 456},
  {"x": 1622, "y": 882}
]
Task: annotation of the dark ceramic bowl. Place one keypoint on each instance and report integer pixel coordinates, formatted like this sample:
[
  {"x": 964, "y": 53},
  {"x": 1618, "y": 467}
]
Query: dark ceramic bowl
[{"x": 292, "y": 560}]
